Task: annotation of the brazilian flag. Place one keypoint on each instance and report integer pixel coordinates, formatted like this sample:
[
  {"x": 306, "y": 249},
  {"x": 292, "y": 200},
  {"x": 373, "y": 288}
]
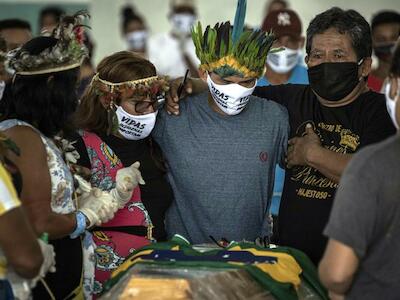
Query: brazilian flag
[{"x": 279, "y": 270}]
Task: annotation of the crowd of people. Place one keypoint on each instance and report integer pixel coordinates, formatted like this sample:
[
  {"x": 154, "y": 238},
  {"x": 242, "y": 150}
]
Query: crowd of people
[{"x": 261, "y": 141}]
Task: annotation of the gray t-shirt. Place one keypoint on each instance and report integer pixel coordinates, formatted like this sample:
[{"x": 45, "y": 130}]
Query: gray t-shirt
[
  {"x": 221, "y": 168},
  {"x": 366, "y": 217}
]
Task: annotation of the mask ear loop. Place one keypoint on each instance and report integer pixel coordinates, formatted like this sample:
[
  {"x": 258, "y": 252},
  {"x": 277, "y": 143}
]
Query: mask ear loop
[{"x": 359, "y": 63}]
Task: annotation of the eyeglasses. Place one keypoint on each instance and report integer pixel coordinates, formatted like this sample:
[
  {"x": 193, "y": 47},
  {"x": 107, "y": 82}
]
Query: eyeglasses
[{"x": 143, "y": 106}]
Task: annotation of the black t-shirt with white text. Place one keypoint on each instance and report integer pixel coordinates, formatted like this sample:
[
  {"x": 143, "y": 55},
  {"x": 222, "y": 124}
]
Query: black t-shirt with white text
[{"x": 307, "y": 194}]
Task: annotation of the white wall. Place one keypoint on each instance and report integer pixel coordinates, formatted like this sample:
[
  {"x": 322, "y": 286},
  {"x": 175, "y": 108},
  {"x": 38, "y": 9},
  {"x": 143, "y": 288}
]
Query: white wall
[{"x": 106, "y": 14}]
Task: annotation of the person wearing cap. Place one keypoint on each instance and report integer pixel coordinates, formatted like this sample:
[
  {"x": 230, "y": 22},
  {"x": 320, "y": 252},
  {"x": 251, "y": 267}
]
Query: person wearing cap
[
  {"x": 385, "y": 28},
  {"x": 272, "y": 5},
  {"x": 330, "y": 119},
  {"x": 173, "y": 52},
  {"x": 222, "y": 151},
  {"x": 283, "y": 67}
]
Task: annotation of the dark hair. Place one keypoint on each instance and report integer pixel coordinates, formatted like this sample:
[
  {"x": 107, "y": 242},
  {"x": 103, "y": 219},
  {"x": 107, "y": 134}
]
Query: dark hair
[
  {"x": 129, "y": 15},
  {"x": 395, "y": 67},
  {"x": 54, "y": 11},
  {"x": 3, "y": 47},
  {"x": 344, "y": 21},
  {"x": 14, "y": 24},
  {"x": 46, "y": 101},
  {"x": 385, "y": 17}
]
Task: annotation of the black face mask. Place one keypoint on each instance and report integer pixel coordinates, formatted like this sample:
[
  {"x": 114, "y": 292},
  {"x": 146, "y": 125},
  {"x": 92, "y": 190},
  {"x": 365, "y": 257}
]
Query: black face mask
[
  {"x": 334, "y": 81},
  {"x": 384, "y": 51}
]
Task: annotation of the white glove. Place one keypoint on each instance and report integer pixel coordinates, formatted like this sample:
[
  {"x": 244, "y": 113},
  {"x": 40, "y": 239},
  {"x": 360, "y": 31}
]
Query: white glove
[
  {"x": 126, "y": 181},
  {"x": 22, "y": 287},
  {"x": 49, "y": 262},
  {"x": 83, "y": 185},
  {"x": 98, "y": 206}
]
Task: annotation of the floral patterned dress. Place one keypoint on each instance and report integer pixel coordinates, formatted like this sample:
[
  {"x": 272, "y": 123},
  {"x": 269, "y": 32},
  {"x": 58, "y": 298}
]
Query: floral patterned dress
[{"x": 113, "y": 246}]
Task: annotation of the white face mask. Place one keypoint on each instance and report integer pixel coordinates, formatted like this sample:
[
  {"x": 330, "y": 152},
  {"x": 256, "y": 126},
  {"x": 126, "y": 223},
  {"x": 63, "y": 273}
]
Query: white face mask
[
  {"x": 283, "y": 61},
  {"x": 182, "y": 23},
  {"x": 392, "y": 103},
  {"x": 136, "y": 40},
  {"x": 135, "y": 127},
  {"x": 230, "y": 98}
]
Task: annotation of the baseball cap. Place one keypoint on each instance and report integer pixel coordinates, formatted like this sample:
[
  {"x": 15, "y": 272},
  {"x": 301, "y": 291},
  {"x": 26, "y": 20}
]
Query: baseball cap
[{"x": 282, "y": 22}]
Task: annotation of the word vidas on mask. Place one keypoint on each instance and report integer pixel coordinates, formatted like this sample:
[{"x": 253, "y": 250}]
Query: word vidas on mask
[
  {"x": 392, "y": 103},
  {"x": 230, "y": 98},
  {"x": 283, "y": 61},
  {"x": 135, "y": 127}
]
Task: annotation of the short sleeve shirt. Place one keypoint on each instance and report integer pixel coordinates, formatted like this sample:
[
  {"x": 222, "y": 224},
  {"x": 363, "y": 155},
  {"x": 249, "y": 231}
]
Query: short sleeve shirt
[
  {"x": 307, "y": 194},
  {"x": 366, "y": 217}
]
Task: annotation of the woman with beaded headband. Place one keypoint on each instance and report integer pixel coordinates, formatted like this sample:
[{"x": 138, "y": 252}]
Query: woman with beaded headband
[
  {"x": 117, "y": 114},
  {"x": 38, "y": 106}
]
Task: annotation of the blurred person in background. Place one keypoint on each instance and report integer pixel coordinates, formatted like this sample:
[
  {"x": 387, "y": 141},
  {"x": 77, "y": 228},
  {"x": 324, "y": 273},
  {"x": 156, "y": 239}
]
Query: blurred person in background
[
  {"x": 385, "y": 28},
  {"x": 362, "y": 259},
  {"x": 87, "y": 69},
  {"x": 134, "y": 31},
  {"x": 173, "y": 52},
  {"x": 283, "y": 67},
  {"x": 273, "y": 5},
  {"x": 15, "y": 32},
  {"x": 49, "y": 18}
]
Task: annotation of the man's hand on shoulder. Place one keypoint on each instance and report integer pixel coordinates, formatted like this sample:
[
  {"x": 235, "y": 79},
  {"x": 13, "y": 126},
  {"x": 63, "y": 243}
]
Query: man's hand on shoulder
[{"x": 176, "y": 93}]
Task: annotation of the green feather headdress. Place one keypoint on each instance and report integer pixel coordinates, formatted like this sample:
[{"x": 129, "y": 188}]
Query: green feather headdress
[{"x": 233, "y": 51}]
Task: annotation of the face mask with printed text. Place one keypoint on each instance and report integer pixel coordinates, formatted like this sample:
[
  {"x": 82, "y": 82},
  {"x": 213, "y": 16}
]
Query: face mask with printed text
[
  {"x": 135, "y": 127},
  {"x": 230, "y": 98}
]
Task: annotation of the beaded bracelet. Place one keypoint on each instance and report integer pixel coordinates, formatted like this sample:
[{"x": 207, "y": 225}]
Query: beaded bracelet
[{"x": 80, "y": 225}]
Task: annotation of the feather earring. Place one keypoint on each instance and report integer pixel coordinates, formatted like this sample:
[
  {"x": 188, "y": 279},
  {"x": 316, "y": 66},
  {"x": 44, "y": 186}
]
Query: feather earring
[{"x": 112, "y": 119}]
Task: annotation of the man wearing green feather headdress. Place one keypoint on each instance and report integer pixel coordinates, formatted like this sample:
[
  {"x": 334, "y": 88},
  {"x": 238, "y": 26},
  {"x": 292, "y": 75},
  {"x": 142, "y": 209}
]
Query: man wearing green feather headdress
[{"x": 222, "y": 150}]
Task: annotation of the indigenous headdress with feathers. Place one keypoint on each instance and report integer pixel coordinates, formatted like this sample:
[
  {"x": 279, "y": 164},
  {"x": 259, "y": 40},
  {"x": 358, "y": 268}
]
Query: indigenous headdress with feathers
[
  {"x": 68, "y": 53},
  {"x": 233, "y": 51}
]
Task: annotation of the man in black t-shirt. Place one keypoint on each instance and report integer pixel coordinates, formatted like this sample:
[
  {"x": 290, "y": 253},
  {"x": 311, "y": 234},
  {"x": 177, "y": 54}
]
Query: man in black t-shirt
[{"x": 330, "y": 119}]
